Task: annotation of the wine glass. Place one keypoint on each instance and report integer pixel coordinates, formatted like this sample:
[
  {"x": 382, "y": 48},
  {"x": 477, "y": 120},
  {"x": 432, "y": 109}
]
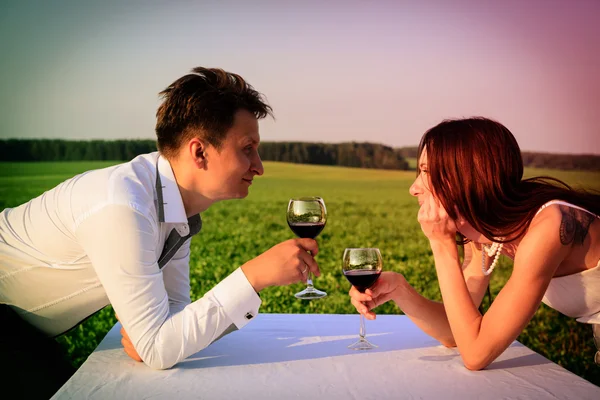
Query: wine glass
[
  {"x": 362, "y": 268},
  {"x": 306, "y": 217}
]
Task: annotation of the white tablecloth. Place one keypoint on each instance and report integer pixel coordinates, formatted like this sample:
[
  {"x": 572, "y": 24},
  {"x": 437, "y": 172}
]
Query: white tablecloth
[{"x": 304, "y": 356}]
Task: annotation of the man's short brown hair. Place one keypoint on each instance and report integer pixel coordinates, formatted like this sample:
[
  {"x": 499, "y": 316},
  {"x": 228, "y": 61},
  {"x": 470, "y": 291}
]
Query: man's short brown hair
[{"x": 203, "y": 104}]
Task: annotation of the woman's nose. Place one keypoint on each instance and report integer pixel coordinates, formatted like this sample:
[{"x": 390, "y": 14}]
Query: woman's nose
[{"x": 415, "y": 188}]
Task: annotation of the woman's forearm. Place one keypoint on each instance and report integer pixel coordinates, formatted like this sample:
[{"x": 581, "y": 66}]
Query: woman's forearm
[
  {"x": 427, "y": 314},
  {"x": 462, "y": 315}
]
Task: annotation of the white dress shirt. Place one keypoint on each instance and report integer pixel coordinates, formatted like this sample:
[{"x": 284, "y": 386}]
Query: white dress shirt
[{"x": 99, "y": 238}]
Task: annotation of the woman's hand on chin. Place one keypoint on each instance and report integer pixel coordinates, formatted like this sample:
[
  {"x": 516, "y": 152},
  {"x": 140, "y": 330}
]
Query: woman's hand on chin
[{"x": 435, "y": 222}]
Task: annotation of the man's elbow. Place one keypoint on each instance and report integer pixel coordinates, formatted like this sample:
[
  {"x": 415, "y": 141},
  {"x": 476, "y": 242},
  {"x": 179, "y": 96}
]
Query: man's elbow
[
  {"x": 160, "y": 357},
  {"x": 157, "y": 358},
  {"x": 158, "y": 363}
]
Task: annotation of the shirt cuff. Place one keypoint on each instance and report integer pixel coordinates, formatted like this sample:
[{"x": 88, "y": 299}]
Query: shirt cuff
[{"x": 238, "y": 298}]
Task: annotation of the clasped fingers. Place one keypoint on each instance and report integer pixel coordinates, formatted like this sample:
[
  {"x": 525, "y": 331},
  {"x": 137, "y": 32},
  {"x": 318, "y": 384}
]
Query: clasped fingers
[
  {"x": 128, "y": 346},
  {"x": 434, "y": 220},
  {"x": 362, "y": 306}
]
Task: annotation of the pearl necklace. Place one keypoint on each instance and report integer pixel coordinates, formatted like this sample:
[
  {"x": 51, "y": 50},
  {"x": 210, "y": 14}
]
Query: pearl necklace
[{"x": 492, "y": 251}]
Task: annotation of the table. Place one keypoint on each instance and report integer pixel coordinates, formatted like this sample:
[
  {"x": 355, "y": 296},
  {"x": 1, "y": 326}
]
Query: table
[{"x": 304, "y": 356}]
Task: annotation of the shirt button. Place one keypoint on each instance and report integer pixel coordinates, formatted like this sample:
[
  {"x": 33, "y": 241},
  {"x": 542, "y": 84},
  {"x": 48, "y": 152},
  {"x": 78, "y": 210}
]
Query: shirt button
[
  {"x": 183, "y": 230},
  {"x": 249, "y": 316}
]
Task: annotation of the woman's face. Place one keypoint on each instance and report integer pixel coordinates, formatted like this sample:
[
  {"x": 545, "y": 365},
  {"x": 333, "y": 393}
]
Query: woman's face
[{"x": 421, "y": 189}]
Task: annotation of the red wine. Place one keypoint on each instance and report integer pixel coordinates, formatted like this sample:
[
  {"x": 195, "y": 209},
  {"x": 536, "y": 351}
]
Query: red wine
[
  {"x": 362, "y": 279},
  {"x": 307, "y": 229}
]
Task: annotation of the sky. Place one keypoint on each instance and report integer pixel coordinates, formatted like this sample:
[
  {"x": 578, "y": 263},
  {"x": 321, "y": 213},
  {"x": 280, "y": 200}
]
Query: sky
[{"x": 333, "y": 71}]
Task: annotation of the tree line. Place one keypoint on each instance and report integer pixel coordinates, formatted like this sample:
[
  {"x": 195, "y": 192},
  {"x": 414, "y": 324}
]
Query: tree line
[
  {"x": 351, "y": 154},
  {"x": 582, "y": 162},
  {"x": 361, "y": 155}
]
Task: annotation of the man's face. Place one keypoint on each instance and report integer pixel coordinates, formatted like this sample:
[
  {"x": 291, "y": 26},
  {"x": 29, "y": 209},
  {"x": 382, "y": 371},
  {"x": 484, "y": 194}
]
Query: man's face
[{"x": 232, "y": 168}]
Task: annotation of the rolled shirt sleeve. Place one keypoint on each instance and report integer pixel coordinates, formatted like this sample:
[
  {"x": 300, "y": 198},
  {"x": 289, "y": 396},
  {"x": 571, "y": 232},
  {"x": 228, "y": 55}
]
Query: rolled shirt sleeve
[{"x": 153, "y": 305}]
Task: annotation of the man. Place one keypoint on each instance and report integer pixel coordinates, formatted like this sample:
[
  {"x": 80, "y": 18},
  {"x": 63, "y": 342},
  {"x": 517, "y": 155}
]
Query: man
[{"x": 121, "y": 235}]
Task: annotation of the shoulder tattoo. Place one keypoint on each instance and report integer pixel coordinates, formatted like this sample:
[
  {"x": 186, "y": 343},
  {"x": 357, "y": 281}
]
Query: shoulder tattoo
[{"x": 574, "y": 225}]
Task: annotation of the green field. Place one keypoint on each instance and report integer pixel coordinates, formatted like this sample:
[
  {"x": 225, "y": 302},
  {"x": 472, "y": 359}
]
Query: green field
[{"x": 366, "y": 208}]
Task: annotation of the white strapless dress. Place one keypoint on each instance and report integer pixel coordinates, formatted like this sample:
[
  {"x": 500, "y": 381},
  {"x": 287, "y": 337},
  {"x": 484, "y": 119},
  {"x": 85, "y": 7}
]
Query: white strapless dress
[{"x": 576, "y": 295}]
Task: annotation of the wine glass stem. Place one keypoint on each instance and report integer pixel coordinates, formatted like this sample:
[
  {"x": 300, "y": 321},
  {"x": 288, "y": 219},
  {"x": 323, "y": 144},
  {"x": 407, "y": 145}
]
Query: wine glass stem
[
  {"x": 362, "y": 333},
  {"x": 309, "y": 280}
]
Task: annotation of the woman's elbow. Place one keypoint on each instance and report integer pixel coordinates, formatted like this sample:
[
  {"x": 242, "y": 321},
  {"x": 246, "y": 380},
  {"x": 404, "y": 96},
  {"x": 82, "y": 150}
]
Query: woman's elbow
[
  {"x": 475, "y": 363},
  {"x": 449, "y": 343},
  {"x": 474, "y": 366}
]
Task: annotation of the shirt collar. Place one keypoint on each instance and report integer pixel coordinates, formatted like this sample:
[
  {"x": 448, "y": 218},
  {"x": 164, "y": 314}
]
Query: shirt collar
[{"x": 170, "y": 204}]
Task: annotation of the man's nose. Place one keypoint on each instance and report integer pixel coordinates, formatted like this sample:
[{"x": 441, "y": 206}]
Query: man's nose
[{"x": 257, "y": 166}]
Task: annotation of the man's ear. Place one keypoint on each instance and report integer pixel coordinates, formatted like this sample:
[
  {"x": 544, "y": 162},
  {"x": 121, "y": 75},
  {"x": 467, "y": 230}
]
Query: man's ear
[{"x": 197, "y": 148}]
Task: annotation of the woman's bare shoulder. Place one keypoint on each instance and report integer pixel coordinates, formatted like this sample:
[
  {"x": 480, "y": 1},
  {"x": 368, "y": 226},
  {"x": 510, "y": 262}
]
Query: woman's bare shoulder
[{"x": 571, "y": 225}]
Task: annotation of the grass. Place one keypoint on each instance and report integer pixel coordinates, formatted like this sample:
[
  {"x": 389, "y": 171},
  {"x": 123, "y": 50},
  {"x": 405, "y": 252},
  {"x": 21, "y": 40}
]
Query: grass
[{"x": 366, "y": 208}]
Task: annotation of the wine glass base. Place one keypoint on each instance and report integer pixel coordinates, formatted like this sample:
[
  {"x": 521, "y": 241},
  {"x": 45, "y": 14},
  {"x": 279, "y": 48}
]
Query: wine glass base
[
  {"x": 310, "y": 293},
  {"x": 362, "y": 344}
]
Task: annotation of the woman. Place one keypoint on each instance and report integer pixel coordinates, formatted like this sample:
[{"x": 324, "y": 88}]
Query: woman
[{"x": 469, "y": 183}]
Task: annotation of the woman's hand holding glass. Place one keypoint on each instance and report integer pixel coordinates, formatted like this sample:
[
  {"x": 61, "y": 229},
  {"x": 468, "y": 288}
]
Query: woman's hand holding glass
[
  {"x": 362, "y": 267},
  {"x": 382, "y": 291}
]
